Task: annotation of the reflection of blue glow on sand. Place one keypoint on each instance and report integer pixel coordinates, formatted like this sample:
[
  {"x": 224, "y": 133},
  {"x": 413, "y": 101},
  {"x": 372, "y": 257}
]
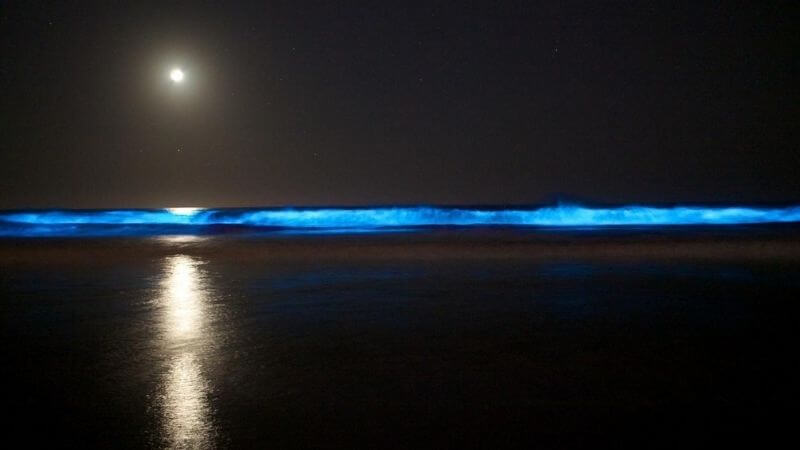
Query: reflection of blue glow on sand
[{"x": 198, "y": 220}]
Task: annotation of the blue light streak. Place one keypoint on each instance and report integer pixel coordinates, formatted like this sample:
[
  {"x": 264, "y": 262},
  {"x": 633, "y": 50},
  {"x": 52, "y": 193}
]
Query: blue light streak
[{"x": 134, "y": 222}]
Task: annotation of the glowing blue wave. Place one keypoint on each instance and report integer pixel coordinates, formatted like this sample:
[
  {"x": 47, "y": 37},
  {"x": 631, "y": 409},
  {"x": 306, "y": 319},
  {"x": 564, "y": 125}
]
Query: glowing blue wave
[{"x": 197, "y": 220}]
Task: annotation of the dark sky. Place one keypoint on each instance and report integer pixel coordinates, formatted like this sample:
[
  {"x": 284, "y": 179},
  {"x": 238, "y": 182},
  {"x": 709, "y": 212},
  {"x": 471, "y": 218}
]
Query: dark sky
[{"x": 313, "y": 103}]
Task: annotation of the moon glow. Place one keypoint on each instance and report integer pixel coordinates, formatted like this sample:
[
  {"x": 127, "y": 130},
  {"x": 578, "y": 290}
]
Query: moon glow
[{"x": 176, "y": 75}]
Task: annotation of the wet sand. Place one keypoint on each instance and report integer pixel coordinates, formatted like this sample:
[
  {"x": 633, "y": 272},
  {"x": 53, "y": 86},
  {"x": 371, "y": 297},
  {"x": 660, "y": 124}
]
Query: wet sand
[{"x": 447, "y": 338}]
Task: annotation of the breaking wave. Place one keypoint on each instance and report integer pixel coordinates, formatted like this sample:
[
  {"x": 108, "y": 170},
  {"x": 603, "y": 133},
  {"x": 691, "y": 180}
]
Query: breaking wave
[{"x": 131, "y": 222}]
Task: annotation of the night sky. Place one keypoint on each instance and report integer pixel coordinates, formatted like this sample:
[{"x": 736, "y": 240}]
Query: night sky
[{"x": 356, "y": 103}]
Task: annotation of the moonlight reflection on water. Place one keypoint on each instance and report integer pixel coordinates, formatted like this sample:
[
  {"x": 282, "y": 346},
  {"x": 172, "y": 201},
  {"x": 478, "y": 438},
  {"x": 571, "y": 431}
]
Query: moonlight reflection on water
[{"x": 186, "y": 411}]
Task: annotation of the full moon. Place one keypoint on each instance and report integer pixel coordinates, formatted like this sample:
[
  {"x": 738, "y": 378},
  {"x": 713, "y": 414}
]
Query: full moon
[{"x": 176, "y": 75}]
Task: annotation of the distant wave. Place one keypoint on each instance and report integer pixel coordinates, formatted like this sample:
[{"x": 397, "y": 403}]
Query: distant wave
[{"x": 131, "y": 222}]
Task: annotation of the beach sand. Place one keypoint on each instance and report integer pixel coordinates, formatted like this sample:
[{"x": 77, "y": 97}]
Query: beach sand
[{"x": 480, "y": 338}]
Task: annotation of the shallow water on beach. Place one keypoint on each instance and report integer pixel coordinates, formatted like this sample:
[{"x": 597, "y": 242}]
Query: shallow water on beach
[{"x": 188, "y": 343}]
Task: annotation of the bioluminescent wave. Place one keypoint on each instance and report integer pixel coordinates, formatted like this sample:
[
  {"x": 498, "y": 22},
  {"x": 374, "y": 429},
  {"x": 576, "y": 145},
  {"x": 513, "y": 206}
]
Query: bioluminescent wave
[{"x": 132, "y": 222}]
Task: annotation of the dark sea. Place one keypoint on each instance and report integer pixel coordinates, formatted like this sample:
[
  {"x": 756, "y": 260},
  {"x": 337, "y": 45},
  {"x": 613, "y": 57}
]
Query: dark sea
[{"x": 440, "y": 338}]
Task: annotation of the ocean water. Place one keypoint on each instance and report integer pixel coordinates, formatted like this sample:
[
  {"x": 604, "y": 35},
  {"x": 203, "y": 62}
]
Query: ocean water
[{"x": 478, "y": 337}]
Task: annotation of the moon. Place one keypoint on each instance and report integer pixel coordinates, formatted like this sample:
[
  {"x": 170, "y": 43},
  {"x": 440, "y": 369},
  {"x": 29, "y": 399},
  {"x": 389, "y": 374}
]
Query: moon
[{"x": 176, "y": 75}]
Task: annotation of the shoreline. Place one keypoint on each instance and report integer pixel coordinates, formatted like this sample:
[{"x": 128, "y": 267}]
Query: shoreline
[{"x": 780, "y": 245}]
